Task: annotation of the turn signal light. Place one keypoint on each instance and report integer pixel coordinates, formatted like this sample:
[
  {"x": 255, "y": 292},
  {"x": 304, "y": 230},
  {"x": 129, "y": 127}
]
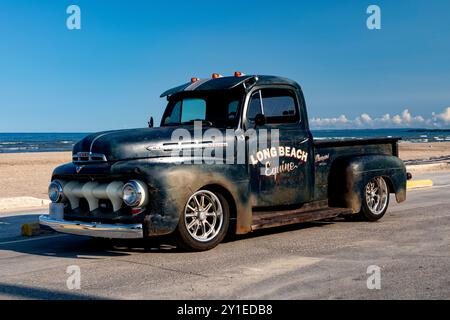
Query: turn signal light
[
  {"x": 216, "y": 75},
  {"x": 194, "y": 80},
  {"x": 137, "y": 210}
]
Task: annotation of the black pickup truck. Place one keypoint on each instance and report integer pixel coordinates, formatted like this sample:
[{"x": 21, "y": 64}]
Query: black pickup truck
[{"x": 200, "y": 174}]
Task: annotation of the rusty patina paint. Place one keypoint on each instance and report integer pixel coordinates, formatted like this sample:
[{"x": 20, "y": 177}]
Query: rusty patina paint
[{"x": 335, "y": 173}]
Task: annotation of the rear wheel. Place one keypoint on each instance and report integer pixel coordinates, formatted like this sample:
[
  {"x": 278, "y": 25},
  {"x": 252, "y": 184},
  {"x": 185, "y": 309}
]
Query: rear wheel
[
  {"x": 375, "y": 199},
  {"x": 204, "y": 222}
]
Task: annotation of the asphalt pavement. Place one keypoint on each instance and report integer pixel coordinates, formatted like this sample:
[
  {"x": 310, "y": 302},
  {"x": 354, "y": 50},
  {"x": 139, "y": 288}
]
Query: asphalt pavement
[{"x": 336, "y": 259}]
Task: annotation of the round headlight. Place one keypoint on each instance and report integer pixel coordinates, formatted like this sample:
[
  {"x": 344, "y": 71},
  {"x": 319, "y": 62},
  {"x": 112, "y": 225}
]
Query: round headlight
[
  {"x": 55, "y": 191},
  {"x": 134, "y": 193}
]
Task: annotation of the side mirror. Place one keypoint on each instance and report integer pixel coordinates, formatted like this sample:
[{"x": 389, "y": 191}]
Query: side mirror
[
  {"x": 260, "y": 120},
  {"x": 150, "y": 122}
]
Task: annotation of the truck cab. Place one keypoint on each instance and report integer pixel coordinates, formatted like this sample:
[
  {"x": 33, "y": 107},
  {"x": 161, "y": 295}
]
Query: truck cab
[
  {"x": 269, "y": 105},
  {"x": 231, "y": 154}
]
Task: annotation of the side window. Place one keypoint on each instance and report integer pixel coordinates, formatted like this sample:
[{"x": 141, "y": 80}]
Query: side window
[
  {"x": 279, "y": 106},
  {"x": 232, "y": 109},
  {"x": 254, "y": 106}
]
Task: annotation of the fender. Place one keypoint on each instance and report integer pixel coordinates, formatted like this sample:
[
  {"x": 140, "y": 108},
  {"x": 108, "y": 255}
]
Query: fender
[
  {"x": 348, "y": 176},
  {"x": 170, "y": 187}
]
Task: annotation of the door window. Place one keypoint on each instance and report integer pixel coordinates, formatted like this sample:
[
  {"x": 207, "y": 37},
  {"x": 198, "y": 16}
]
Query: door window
[{"x": 279, "y": 106}]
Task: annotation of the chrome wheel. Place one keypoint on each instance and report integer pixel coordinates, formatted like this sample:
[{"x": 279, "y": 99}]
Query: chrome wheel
[
  {"x": 377, "y": 195},
  {"x": 203, "y": 216}
]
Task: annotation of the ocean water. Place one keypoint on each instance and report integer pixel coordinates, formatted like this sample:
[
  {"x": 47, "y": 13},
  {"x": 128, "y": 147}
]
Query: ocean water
[
  {"x": 411, "y": 135},
  {"x": 38, "y": 142},
  {"x": 45, "y": 142}
]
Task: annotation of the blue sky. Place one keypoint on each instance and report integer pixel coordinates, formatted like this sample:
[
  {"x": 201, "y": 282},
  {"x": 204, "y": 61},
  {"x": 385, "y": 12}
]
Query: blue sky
[{"x": 110, "y": 73}]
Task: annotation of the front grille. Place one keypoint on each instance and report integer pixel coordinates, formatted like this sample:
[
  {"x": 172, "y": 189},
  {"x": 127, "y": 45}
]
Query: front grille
[
  {"x": 92, "y": 196},
  {"x": 99, "y": 200},
  {"x": 88, "y": 157}
]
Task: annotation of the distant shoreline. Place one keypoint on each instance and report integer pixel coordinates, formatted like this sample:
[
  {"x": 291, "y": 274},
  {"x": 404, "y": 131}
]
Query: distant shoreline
[
  {"x": 62, "y": 142},
  {"x": 69, "y": 148}
]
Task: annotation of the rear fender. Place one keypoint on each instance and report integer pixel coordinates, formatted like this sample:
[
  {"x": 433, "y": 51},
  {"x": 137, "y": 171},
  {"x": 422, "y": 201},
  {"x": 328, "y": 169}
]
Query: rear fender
[{"x": 349, "y": 175}]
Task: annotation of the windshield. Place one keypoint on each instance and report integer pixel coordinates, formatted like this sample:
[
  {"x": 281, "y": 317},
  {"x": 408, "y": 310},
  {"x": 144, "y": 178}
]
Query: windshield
[{"x": 218, "y": 109}]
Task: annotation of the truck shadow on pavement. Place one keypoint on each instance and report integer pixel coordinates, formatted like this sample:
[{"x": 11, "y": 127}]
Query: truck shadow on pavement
[
  {"x": 69, "y": 246},
  {"x": 14, "y": 291}
]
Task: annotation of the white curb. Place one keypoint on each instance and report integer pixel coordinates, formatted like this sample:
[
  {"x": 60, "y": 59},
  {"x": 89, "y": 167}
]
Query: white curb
[{"x": 22, "y": 202}]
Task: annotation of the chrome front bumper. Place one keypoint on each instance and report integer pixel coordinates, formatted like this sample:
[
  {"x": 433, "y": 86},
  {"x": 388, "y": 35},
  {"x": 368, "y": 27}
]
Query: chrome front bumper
[{"x": 93, "y": 229}]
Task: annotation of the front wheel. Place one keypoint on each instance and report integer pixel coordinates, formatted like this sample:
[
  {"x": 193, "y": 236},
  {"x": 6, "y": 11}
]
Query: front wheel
[
  {"x": 375, "y": 199},
  {"x": 204, "y": 222}
]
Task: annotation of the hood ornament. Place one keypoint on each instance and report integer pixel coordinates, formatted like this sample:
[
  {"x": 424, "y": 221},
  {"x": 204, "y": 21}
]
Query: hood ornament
[{"x": 79, "y": 168}]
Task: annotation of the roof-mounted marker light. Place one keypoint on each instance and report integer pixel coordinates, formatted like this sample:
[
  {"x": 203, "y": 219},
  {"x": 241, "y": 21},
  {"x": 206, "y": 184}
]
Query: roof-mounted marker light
[
  {"x": 194, "y": 80},
  {"x": 216, "y": 76},
  {"x": 238, "y": 74}
]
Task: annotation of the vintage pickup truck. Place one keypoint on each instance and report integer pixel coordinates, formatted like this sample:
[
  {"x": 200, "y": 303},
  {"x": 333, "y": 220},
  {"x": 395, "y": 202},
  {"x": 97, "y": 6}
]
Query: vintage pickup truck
[{"x": 142, "y": 183}]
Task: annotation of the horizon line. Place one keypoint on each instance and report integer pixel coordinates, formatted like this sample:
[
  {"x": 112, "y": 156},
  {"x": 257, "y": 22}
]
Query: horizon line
[{"x": 312, "y": 129}]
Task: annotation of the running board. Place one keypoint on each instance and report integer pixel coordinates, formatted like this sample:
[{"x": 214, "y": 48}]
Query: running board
[{"x": 262, "y": 220}]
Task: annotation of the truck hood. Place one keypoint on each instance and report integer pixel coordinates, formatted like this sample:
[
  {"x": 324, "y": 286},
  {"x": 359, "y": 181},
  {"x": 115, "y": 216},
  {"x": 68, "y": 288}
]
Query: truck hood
[{"x": 132, "y": 143}]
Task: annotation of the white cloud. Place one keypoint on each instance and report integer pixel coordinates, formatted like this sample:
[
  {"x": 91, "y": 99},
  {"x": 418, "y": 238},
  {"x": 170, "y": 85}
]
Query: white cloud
[
  {"x": 406, "y": 116},
  {"x": 397, "y": 120},
  {"x": 444, "y": 116},
  {"x": 403, "y": 120},
  {"x": 386, "y": 117},
  {"x": 366, "y": 118},
  {"x": 330, "y": 121},
  {"x": 343, "y": 119}
]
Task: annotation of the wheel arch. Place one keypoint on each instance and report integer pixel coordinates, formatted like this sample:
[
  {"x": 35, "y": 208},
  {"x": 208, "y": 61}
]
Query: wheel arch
[
  {"x": 214, "y": 187},
  {"x": 389, "y": 183},
  {"x": 348, "y": 176}
]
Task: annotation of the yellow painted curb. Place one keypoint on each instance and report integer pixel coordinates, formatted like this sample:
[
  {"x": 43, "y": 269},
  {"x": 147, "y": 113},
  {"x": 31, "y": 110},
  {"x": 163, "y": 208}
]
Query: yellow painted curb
[
  {"x": 31, "y": 229},
  {"x": 416, "y": 184}
]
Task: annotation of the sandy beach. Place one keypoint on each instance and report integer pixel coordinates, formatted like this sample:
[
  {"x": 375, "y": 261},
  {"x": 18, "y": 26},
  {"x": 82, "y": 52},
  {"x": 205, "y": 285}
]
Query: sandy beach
[
  {"x": 28, "y": 174},
  {"x": 423, "y": 151}
]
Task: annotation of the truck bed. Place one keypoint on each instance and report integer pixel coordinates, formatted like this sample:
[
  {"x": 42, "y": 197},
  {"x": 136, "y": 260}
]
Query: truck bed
[
  {"x": 334, "y": 143},
  {"x": 327, "y": 151}
]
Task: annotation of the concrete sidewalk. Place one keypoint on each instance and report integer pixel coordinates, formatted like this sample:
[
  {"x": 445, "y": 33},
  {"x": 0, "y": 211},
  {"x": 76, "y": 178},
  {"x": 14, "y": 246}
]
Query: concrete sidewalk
[{"x": 20, "y": 203}]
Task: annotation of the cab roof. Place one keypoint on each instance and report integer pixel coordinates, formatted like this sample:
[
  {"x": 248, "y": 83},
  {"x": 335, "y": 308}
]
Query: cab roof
[{"x": 227, "y": 83}]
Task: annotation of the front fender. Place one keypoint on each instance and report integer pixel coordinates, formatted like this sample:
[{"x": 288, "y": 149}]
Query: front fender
[
  {"x": 171, "y": 185},
  {"x": 349, "y": 175}
]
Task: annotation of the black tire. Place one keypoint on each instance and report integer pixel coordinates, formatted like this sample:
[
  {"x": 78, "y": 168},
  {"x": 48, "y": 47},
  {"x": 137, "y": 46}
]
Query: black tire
[
  {"x": 370, "y": 210},
  {"x": 190, "y": 241}
]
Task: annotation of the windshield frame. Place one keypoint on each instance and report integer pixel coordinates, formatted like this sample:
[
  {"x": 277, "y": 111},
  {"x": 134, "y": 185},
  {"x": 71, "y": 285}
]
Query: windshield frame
[{"x": 231, "y": 95}]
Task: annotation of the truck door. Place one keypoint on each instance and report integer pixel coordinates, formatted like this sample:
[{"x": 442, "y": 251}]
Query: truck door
[{"x": 281, "y": 173}]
